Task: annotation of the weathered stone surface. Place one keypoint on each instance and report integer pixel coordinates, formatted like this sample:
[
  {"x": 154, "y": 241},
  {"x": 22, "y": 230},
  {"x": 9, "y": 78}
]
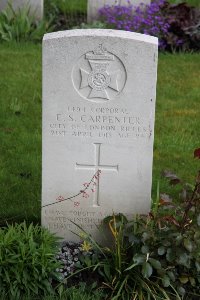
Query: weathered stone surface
[
  {"x": 36, "y": 6},
  {"x": 95, "y": 5},
  {"x": 99, "y": 91}
]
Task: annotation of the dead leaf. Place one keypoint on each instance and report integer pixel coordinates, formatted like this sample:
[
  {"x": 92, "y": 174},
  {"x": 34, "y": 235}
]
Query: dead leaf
[{"x": 197, "y": 153}]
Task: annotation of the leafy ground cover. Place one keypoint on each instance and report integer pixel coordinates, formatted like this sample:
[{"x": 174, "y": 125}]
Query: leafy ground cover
[
  {"x": 149, "y": 257},
  {"x": 176, "y": 127}
]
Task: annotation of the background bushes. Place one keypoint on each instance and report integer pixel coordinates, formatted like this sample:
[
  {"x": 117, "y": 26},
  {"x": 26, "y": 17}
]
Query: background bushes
[
  {"x": 21, "y": 26},
  {"x": 177, "y": 25}
]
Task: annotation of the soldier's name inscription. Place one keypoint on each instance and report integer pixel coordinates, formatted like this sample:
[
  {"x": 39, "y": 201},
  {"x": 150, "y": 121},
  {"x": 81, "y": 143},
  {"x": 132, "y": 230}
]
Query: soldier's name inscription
[{"x": 99, "y": 122}]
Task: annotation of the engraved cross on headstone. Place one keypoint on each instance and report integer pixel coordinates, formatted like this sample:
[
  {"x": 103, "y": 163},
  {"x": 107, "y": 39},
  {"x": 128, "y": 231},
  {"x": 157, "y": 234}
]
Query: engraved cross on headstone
[{"x": 97, "y": 166}]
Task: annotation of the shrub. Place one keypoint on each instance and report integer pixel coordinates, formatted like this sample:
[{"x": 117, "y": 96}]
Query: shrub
[
  {"x": 21, "y": 26},
  {"x": 155, "y": 256},
  {"x": 147, "y": 19},
  {"x": 184, "y": 29},
  {"x": 176, "y": 26},
  {"x": 27, "y": 261},
  {"x": 71, "y": 6},
  {"x": 95, "y": 24},
  {"x": 67, "y": 13}
]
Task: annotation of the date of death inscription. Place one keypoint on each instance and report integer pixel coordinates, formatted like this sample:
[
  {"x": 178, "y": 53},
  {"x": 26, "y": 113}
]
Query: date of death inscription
[{"x": 99, "y": 122}]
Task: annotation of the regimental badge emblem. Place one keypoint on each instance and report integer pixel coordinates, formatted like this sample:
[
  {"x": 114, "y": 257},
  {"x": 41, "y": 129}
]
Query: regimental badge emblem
[{"x": 99, "y": 75}]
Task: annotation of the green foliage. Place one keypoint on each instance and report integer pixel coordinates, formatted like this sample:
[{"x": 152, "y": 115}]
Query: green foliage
[
  {"x": 21, "y": 25},
  {"x": 82, "y": 291},
  {"x": 184, "y": 29},
  {"x": 190, "y": 2},
  {"x": 155, "y": 256},
  {"x": 127, "y": 270},
  {"x": 27, "y": 261},
  {"x": 66, "y": 13},
  {"x": 71, "y": 6},
  {"x": 95, "y": 24}
]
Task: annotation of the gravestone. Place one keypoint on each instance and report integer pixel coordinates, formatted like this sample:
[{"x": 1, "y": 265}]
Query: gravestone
[
  {"x": 36, "y": 6},
  {"x": 95, "y": 5},
  {"x": 99, "y": 90}
]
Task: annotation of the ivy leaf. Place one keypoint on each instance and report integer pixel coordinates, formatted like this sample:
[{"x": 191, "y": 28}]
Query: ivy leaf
[
  {"x": 161, "y": 272},
  {"x": 165, "y": 281},
  {"x": 197, "y": 264},
  {"x": 171, "y": 276},
  {"x": 166, "y": 243},
  {"x": 147, "y": 270},
  {"x": 145, "y": 236},
  {"x": 170, "y": 255},
  {"x": 145, "y": 249},
  {"x": 188, "y": 245},
  {"x": 192, "y": 281},
  {"x": 184, "y": 260},
  {"x": 197, "y": 153},
  {"x": 198, "y": 220},
  {"x": 161, "y": 250},
  {"x": 138, "y": 259},
  {"x": 181, "y": 290},
  {"x": 183, "y": 279},
  {"x": 155, "y": 263},
  {"x": 133, "y": 239}
]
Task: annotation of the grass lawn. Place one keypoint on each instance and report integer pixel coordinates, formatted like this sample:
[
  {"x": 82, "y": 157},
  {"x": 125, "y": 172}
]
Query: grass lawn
[
  {"x": 176, "y": 130},
  {"x": 190, "y": 2},
  {"x": 20, "y": 131},
  {"x": 70, "y": 6}
]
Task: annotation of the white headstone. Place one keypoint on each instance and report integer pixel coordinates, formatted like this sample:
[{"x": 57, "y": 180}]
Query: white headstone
[
  {"x": 99, "y": 91},
  {"x": 95, "y": 5},
  {"x": 36, "y": 6}
]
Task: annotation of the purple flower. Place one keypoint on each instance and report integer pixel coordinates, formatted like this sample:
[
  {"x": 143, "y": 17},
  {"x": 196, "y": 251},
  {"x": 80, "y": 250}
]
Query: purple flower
[{"x": 147, "y": 19}]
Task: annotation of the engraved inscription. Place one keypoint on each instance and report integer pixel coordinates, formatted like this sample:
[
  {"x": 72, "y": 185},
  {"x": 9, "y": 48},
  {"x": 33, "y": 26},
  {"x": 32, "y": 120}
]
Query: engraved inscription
[
  {"x": 101, "y": 123},
  {"x": 61, "y": 219},
  {"x": 96, "y": 167},
  {"x": 88, "y": 220},
  {"x": 99, "y": 75}
]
